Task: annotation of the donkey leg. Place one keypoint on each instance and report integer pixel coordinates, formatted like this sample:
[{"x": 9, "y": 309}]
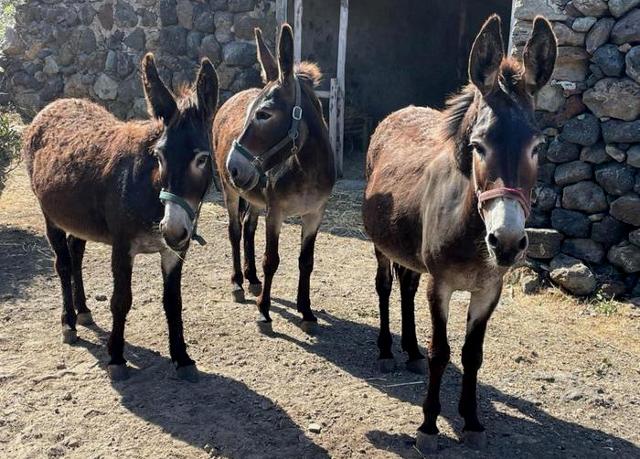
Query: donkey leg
[
  {"x": 76, "y": 250},
  {"x": 121, "y": 267},
  {"x": 57, "y": 239},
  {"x": 409, "y": 282},
  {"x": 235, "y": 234},
  {"x": 438, "y": 295},
  {"x": 248, "y": 236},
  {"x": 172, "y": 302},
  {"x": 384, "y": 281},
  {"x": 481, "y": 306},
  {"x": 310, "y": 225},
  {"x": 269, "y": 265}
]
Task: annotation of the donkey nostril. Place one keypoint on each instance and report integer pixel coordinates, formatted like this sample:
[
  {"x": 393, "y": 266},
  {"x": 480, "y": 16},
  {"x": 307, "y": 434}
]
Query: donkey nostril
[
  {"x": 523, "y": 243},
  {"x": 492, "y": 240}
]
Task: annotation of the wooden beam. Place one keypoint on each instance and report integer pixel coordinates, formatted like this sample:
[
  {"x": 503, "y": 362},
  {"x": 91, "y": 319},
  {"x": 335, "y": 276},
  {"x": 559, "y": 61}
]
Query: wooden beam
[
  {"x": 297, "y": 31},
  {"x": 281, "y": 13},
  {"x": 342, "y": 57}
]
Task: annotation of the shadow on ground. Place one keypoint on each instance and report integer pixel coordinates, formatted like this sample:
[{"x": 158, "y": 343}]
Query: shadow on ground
[
  {"x": 531, "y": 433},
  {"x": 219, "y": 412},
  {"x": 24, "y": 255}
]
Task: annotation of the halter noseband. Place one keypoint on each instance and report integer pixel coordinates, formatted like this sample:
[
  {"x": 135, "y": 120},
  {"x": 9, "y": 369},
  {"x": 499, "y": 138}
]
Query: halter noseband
[
  {"x": 504, "y": 192},
  {"x": 258, "y": 161}
]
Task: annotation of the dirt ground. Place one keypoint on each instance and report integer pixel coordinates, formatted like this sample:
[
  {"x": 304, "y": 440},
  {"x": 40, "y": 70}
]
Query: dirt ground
[{"x": 559, "y": 379}]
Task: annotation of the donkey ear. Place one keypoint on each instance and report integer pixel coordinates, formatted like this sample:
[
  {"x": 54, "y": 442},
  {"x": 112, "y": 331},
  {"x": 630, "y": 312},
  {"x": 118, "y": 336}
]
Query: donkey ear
[
  {"x": 207, "y": 89},
  {"x": 268, "y": 63},
  {"x": 539, "y": 55},
  {"x": 486, "y": 55},
  {"x": 160, "y": 102},
  {"x": 285, "y": 53}
]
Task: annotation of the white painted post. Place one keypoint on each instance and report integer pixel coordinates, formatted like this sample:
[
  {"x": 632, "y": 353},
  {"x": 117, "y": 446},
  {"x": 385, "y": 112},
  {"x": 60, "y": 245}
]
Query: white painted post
[
  {"x": 333, "y": 121},
  {"x": 297, "y": 31},
  {"x": 342, "y": 57}
]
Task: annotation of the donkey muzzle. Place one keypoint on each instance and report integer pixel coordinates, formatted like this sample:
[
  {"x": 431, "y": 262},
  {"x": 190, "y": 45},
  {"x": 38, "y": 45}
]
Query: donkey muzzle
[{"x": 243, "y": 173}]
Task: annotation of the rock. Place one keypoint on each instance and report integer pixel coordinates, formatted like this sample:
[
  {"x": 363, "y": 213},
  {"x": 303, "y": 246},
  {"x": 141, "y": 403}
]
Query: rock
[
  {"x": 105, "y": 16},
  {"x": 633, "y": 156},
  {"x": 223, "y": 23},
  {"x": 619, "y": 8},
  {"x": 543, "y": 243},
  {"x": 168, "y": 13},
  {"x": 105, "y": 87},
  {"x": 627, "y": 209},
  {"x": 609, "y": 60},
  {"x": 583, "y": 24},
  {"x": 528, "y": 9},
  {"x": 50, "y": 66},
  {"x": 583, "y": 129},
  {"x": 585, "y": 196},
  {"x": 572, "y": 172},
  {"x": 203, "y": 20},
  {"x": 173, "y": 40},
  {"x": 571, "y": 64},
  {"x": 621, "y": 132},
  {"x": 626, "y": 256},
  {"x": 545, "y": 198},
  {"x": 562, "y": 152},
  {"x": 609, "y": 231},
  {"x": 546, "y": 172},
  {"x": 632, "y": 60},
  {"x": 124, "y": 15},
  {"x": 595, "y": 154},
  {"x": 627, "y": 29},
  {"x": 245, "y": 23},
  {"x": 599, "y": 34},
  {"x": 567, "y": 36},
  {"x": 530, "y": 283},
  {"x": 550, "y": 98},
  {"x": 211, "y": 48},
  {"x": 314, "y": 427},
  {"x": 184, "y": 12},
  {"x": 570, "y": 222},
  {"x": 616, "y": 179},
  {"x": 584, "y": 249},
  {"x": 634, "y": 237},
  {"x": 614, "y": 98},
  {"x": 194, "y": 39},
  {"x": 615, "y": 153},
  {"x": 240, "y": 54},
  {"x": 572, "y": 275},
  {"x": 595, "y": 8},
  {"x": 136, "y": 40},
  {"x": 12, "y": 44}
]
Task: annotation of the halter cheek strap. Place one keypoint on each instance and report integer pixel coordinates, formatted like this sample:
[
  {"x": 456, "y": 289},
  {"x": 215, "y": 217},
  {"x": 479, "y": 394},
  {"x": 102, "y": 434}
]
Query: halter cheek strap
[{"x": 504, "y": 192}]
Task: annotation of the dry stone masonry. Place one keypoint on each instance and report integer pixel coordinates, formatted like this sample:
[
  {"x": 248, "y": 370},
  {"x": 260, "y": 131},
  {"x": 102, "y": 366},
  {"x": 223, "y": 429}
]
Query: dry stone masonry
[
  {"x": 584, "y": 227},
  {"x": 92, "y": 48}
]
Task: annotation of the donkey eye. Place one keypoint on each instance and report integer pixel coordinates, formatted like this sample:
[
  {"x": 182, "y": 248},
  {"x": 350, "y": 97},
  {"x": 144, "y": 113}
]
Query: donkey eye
[
  {"x": 201, "y": 161},
  {"x": 479, "y": 148},
  {"x": 262, "y": 115}
]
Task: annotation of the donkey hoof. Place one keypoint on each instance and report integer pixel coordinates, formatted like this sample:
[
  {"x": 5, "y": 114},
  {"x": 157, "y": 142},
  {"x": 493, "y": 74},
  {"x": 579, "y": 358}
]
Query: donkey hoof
[
  {"x": 418, "y": 366},
  {"x": 118, "y": 372},
  {"x": 265, "y": 327},
  {"x": 310, "y": 327},
  {"x": 255, "y": 289},
  {"x": 84, "y": 319},
  {"x": 386, "y": 365},
  {"x": 69, "y": 336},
  {"x": 426, "y": 444},
  {"x": 475, "y": 440},
  {"x": 188, "y": 373},
  {"x": 238, "y": 295}
]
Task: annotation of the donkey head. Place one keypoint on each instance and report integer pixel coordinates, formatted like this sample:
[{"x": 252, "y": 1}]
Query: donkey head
[
  {"x": 274, "y": 128},
  {"x": 184, "y": 150},
  {"x": 504, "y": 135}
]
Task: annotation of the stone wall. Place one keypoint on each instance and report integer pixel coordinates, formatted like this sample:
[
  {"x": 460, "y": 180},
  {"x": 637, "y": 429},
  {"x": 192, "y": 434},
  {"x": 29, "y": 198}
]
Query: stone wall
[
  {"x": 92, "y": 48},
  {"x": 587, "y": 206}
]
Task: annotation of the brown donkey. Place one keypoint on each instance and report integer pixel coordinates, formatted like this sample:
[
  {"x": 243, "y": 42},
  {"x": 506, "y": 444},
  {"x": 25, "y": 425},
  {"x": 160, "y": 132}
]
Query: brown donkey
[
  {"x": 448, "y": 195},
  {"x": 272, "y": 150},
  {"x": 137, "y": 186}
]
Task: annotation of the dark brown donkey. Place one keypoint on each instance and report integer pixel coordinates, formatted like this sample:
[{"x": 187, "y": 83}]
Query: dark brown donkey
[
  {"x": 272, "y": 150},
  {"x": 137, "y": 186},
  {"x": 447, "y": 195}
]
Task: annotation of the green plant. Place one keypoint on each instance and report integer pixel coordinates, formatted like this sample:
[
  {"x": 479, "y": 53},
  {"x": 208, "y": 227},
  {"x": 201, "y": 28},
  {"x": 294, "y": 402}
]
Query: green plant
[
  {"x": 7, "y": 13},
  {"x": 604, "y": 304},
  {"x": 10, "y": 141}
]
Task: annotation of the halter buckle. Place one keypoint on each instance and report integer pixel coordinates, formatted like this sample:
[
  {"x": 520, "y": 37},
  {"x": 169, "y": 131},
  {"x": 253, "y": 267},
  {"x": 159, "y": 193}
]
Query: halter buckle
[{"x": 296, "y": 113}]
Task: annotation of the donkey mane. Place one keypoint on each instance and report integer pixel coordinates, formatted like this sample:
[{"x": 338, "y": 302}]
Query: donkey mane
[{"x": 309, "y": 71}]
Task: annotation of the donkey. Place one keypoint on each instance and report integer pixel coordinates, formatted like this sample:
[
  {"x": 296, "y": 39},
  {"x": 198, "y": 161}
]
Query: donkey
[
  {"x": 136, "y": 186},
  {"x": 272, "y": 150},
  {"x": 448, "y": 195}
]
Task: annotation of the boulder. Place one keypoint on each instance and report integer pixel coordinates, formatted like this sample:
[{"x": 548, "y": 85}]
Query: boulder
[
  {"x": 584, "y": 130},
  {"x": 211, "y": 48},
  {"x": 573, "y": 172},
  {"x": 633, "y": 156},
  {"x": 619, "y": 8},
  {"x": 545, "y": 198},
  {"x": 571, "y": 64},
  {"x": 627, "y": 209},
  {"x": 105, "y": 87},
  {"x": 595, "y": 154},
  {"x": 241, "y": 54},
  {"x": 528, "y": 10},
  {"x": 561, "y": 152},
  {"x": 546, "y": 172},
  {"x": 626, "y": 256},
  {"x": 203, "y": 20},
  {"x": 616, "y": 179},
  {"x": 595, "y": 8},
  {"x": 124, "y": 15},
  {"x": 609, "y": 60},
  {"x": 632, "y": 60},
  {"x": 599, "y": 34},
  {"x": 566, "y": 36},
  {"x": 608, "y": 231},
  {"x": 570, "y": 222},
  {"x": 136, "y": 40},
  {"x": 173, "y": 40},
  {"x": 584, "y": 249},
  {"x": 584, "y": 196},
  {"x": 614, "y": 98},
  {"x": 634, "y": 237},
  {"x": 627, "y": 29},
  {"x": 583, "y": 24},
  {"x": 223, "y": 23},
  {"x": 543, "y": 243},
  {"x": 615, "y": 153},
  {"x": 184, "y": 12},
  {"x": 550, "y": 98},
  {"x": 572, "y": 275},
  {"x": 239, "y": 6},
  {"x": 614, "y": 131},
  {"x": 168, "y": 14}
]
